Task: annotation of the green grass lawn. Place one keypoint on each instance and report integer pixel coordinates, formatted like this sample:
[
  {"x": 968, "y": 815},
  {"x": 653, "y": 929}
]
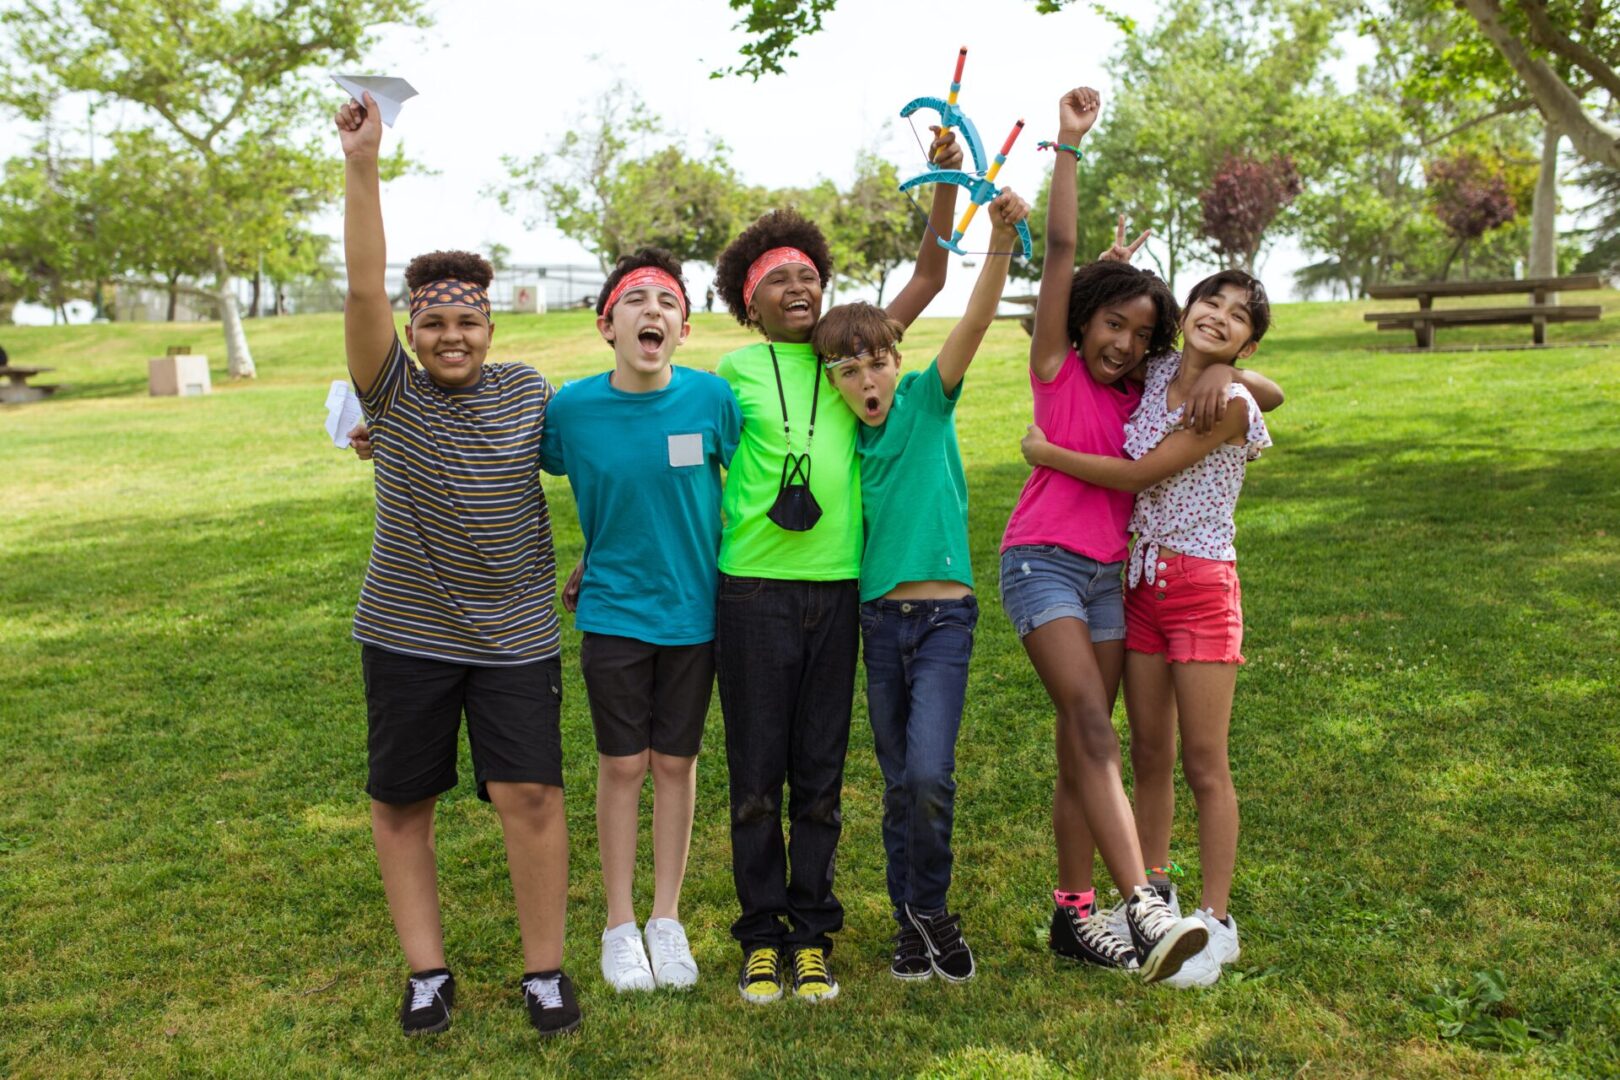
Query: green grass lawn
[{"x": 1424, "y": 742}]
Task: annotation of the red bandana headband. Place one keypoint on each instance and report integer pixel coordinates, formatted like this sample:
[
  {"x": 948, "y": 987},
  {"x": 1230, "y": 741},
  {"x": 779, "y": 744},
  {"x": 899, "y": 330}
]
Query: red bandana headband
[
  {"x": 646, "y": 277},
  {"x": 448, "y": 292},
  {"x": 782, "y": 256}
]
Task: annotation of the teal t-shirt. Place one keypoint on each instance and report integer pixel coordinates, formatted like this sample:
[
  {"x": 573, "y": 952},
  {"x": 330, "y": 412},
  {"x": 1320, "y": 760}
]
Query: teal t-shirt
[
  {"x": 645, "y": 469},
  {"x": 914, "y": 491},
  {"x": 753, "y": 545}
]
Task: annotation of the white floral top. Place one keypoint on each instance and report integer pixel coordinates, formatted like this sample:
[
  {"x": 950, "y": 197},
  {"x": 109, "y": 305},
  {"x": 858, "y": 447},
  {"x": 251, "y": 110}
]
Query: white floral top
[{"x": 1192, "y": 510}]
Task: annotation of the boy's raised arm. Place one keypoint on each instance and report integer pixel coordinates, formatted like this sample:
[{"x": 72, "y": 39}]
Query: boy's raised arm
[
  {"x": 1006, "y": 211},
  {"x": 368, "y": 318},
  {"x": 933, "y": 261},
  {"x": 1077, "y": 111}
]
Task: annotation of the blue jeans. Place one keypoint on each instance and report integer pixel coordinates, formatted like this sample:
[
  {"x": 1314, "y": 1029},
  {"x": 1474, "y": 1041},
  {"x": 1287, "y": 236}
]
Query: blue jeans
[{"x": 917, "y": 654}]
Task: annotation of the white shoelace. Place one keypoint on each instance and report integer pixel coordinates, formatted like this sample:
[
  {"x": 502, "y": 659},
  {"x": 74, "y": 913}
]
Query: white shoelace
[
  {"x": 670, "y": 945},
  {"x": 1153, "y": 916},
  {"x": 627, "y": 955},
  {"x": 423, "y": 991},
  {"x": 1100, "y": 936},
  {"x": 547, "y": 991}
]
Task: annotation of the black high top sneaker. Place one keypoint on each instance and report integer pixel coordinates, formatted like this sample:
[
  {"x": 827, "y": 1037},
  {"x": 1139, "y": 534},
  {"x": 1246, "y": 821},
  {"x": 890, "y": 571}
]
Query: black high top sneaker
[
  {"x": 1085, "y": 935},
  {"x": 1163, "y": 942}
]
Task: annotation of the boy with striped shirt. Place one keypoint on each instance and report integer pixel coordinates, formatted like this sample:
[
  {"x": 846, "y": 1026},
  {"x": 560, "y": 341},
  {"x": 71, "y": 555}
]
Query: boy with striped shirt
[{"x": 455, "y": 614}]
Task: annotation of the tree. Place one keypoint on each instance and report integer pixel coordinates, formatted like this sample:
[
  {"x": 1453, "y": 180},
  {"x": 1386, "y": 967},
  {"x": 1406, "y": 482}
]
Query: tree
[
  {"x": 873, "y": 229},
  {"x": 1562, "y": 53},
  {"x": 1242, "y": 200},
  {"x": 221, "y": 81},
  {"x": 1470, "y": 198},
  {"x": 47, "y": 255},
  {"x": 606, "y": 186}
]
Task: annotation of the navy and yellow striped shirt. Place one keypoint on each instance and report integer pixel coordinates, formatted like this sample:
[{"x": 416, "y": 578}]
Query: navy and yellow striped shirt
[{"x": 461, "y": 564}]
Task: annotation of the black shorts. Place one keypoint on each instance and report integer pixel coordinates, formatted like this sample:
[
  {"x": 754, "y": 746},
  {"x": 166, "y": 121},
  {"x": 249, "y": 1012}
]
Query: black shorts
[
  {"x": 644, "y": 695},
  {"x": 414, "y": 707}
]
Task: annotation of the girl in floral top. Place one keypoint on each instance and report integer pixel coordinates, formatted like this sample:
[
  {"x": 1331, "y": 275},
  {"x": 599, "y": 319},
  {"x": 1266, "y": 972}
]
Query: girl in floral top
[{"x": 1183, "y": 603}]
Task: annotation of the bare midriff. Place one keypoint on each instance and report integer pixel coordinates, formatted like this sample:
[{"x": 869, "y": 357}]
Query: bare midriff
[{"x": 928, "y": 590}]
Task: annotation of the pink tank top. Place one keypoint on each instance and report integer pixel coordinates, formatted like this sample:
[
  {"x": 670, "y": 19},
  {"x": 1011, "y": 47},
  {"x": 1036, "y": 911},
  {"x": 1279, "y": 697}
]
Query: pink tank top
[{"x": 1077, "y": 413}]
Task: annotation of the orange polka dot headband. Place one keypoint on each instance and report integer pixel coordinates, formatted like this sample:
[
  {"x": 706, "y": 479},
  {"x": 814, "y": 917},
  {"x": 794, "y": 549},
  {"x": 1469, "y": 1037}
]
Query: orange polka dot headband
[{"x": 448, "y": 292}]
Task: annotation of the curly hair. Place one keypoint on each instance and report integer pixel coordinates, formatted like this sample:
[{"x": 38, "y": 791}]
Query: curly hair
[
  {"x": 453, "y": 265},
  {"x": 779, "y": 228},
  {"x": 846, "y": 331},
  {"x": 647, "y": 256},
  {"x": 1109, "y": 281},
  {"x": 1259, "y": 307}
]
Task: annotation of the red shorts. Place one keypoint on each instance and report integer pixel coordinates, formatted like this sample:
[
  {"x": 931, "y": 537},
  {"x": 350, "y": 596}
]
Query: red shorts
[{"x": 1192, "y": 612}]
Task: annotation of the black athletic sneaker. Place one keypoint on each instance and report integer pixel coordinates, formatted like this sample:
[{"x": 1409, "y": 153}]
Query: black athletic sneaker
[
  {"x": 910, "y": 961},
  {"x": 1163, "y": 942},
  {"x": 549, "y": 995},
  {"x": 429, "y": 996},
  {"x": 1089, "y": 939},
  {"x": 947, "y": 949}
]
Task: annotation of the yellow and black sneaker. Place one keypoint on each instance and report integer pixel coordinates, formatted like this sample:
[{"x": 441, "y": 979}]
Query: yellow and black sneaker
[
  {"x": 812, "y": 976},
  {"x": 761, "y": 979}
]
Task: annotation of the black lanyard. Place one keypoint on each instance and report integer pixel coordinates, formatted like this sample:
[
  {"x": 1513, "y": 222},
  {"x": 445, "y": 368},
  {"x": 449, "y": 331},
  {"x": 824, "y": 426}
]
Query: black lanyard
[{"x": 781, "y": 395}]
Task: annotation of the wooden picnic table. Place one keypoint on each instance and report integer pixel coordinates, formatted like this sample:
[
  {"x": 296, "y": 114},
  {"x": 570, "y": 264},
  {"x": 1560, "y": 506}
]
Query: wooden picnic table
[
  {"x": 1026, "y": 319},
  {"x": 15, "y": 390},
  {"x": 1538, "y": 313}
]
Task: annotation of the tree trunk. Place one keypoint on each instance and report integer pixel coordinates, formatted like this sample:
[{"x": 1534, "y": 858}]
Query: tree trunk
[
  {"x": 1544, "y": 215},
  {"x": 174, "y": 296},
  {"x": 1593, "y": 139},
  {"x": 7, "y": 307},
  {"x": 253, "y": 304},
  {"x": 238, "y": 358}
]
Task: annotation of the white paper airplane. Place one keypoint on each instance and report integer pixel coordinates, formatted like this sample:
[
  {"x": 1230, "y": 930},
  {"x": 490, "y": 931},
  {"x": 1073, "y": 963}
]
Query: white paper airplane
[
  {"x": 342, "y": 409},
  {"x": 390, "y": 93}
]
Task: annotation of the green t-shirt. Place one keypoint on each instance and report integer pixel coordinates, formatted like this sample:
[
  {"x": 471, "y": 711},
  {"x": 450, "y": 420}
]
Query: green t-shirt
[
  {"x": 914, "y": 490},
  {"x": 751, "y": 544}
]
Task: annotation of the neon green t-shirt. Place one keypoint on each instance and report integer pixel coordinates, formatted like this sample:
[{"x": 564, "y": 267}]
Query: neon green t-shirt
[
  {"x": 914, "y": 490},
  {"x": 751, "y": 544}
]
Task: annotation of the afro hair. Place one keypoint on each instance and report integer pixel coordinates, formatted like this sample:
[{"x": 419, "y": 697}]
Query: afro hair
[
  {"x": 779, "y": 228},
  {"x": 449, "y": 265},
  {"x": 642, "y": 257},
  {"x": 1108, "y": 281}
]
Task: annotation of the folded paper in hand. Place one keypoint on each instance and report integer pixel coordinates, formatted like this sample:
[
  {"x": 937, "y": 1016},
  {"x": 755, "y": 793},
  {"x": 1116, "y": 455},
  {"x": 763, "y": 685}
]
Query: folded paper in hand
[
  {"x": 342, "y": 413},
  {"x": 390, "y": 93}
]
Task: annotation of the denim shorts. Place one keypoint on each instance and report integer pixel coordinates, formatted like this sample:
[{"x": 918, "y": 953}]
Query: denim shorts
[{"x": 1042, "y": 582}]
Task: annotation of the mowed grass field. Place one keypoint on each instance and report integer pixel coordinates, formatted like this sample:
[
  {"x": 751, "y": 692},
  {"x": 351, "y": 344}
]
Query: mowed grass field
[{"x": 1424, "y": 742}]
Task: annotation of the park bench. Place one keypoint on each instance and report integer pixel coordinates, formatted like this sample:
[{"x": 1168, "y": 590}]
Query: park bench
[
  {"x": 1026, "y": 318},
  {"x": 1538, "y": 313},
  {"x": 15, "y": 390}
]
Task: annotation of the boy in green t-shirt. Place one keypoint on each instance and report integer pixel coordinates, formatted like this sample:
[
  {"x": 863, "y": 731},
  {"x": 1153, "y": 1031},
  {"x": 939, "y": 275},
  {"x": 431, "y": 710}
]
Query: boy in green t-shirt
[{"x": 918, "y": 611}]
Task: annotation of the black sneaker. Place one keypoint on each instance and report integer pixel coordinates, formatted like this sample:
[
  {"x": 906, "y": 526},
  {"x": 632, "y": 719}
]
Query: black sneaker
[
  {"x": 429, "y": 996},
  {"x": 812, "y": 974},
  {"x": 948, "y": 950},
  {"x": 910, "y": 960},
  {"x": 761, "y": 979},
  {"x": 549, "y": 995},
  {"x": 1088, "y": 939},
  {"x": 1163, "y": 942}
]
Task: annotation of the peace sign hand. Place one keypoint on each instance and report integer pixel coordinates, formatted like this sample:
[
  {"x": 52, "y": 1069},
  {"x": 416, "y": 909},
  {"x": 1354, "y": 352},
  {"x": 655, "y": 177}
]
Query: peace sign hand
[{"x": 1121, "y": 251}]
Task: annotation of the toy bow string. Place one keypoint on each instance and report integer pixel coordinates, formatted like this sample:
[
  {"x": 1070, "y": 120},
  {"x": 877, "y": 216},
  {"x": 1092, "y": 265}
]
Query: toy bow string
[{"x": 980, "y": 183}]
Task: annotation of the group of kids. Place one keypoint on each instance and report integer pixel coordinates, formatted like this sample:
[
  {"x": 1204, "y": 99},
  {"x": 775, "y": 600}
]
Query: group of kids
[{"x": 760, "y": 527}]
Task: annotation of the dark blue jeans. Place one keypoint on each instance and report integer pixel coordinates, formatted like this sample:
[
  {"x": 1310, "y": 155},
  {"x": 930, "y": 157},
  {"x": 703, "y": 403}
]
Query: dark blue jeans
[
  {"x": 917, "y": 654},
  {"x": 785, "y": 659}
]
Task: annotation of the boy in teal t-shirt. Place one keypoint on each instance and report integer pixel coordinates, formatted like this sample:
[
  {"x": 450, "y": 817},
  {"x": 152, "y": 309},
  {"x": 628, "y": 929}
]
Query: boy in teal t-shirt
[
  {"x": 918, "y": 611},
  {"x": 643, "y": 446}
]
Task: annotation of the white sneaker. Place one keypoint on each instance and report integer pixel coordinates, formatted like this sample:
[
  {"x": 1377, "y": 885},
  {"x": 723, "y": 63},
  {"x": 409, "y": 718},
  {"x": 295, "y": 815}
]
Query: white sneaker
[
  {"x": 1204, "y": 968},
  {"x": 672, "y": 963},
  {"x": 624, "y": 961}
]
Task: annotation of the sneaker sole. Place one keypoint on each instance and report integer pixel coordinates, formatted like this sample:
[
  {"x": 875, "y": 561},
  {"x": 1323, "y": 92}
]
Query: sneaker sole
[
  {"x": 552, "y": 1034},
  {"x": 1086, "y": 961},
  {"x": 948, "y": 977},
  {"x": 1166, "y": 960},
  {"x": 759, "y": 999},
  {"x": 434, "y": 1030},
  {"x": 921, "y": 976},
  {"x": 816, "y": 999}
]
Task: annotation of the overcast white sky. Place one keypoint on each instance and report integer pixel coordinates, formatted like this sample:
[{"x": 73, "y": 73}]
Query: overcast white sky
[{"x": 503, "y": 77}]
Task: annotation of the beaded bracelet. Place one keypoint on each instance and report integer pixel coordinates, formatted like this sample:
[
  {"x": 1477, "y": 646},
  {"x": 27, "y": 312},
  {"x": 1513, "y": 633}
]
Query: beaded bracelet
[{"x": 1044, "y": 145}]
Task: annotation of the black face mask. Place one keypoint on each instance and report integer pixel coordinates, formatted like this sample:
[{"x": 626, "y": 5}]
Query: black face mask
[{"x": 795, "y": 508}]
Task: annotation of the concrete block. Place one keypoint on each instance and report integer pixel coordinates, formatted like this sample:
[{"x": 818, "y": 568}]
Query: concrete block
[{"x": 178, "y": 376}]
